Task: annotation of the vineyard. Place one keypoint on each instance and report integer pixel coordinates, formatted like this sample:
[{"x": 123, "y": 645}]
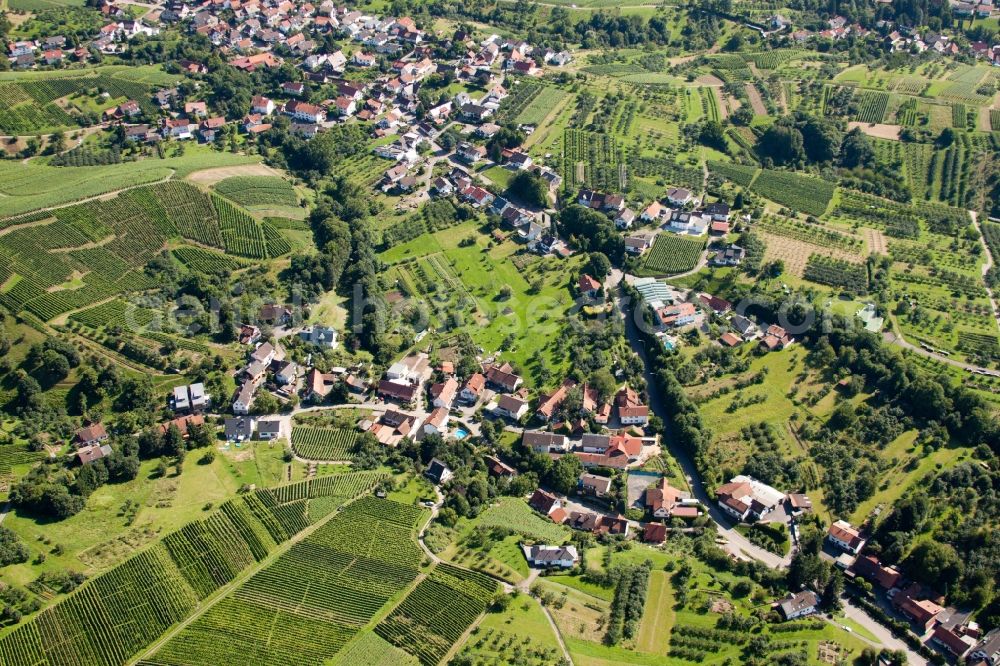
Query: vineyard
[
  {"x": 258, "y": 191},
  {"x": 593, "y": 160},
  {"x": 898, "y": 220},
  {"x": 319, "y": 587},
  {"x": 872, "y": 105},
  {"x": 837, "y": 273},
  {"x": 667, "y": 171},
  {"x": 798, "y": 192},
  {"x": 738, "y": 173},
  {"x": 143, "y": 596},
  {"x": 109, "y": 242},
  {"x": 323, "y": 443},
  {"x": 672, "y": 253},
  {"x": 437, "y": 612}
]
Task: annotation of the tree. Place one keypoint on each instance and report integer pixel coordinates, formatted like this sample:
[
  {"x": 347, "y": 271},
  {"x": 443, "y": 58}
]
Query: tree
[
  {"x": 821, "y": 139},
  {"x": 265, "y": 403},
  {"x": 12, "y": 549},
  {"x": 713, "y": 135},
  {"x": 782, "y": 144},
  {"x": 564, "y": 474},
  {"x": 856, "y": 150},
  {"x": 529, "y": 188},
  {"x": 831, "y": 593},
  {"x": 598, "y": 265},
  {"x": 935, "y": 563}
]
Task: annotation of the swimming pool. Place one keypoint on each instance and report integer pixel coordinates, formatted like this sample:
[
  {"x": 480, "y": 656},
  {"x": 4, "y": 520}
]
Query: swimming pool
[{"x": 461, "y": 433}]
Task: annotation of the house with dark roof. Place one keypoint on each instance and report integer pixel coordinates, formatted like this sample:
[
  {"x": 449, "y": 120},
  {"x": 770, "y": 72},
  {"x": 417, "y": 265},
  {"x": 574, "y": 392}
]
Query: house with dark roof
[
  {"x": 547, "y": 557},
  {"x": 544, "y": 442},
  {"x": 591, "y": 484},
  {"x": 438, "y": 472},
  {"x": 239, "y": 428},
  {"x": 798, "y": 605},
  {"x": 91, "y": 435},
  {"x": 869, "y": 568},
  {"x": 544, "y": 502}
]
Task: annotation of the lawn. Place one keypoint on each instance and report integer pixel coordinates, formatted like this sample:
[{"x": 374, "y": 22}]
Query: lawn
[{"x": 658, "y": 617}]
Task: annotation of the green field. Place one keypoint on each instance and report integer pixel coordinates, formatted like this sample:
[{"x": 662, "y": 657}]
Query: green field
[{"x": 27, "y": 187}]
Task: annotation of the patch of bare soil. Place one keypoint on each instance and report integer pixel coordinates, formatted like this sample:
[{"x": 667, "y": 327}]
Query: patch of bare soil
[
  {"x": 877, "y": 130},
  {"x": 756, "y": 102}
]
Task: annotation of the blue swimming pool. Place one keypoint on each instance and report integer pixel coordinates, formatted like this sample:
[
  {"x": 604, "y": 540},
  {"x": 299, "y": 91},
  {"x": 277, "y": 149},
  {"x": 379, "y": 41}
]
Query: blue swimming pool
[{"x": 461, "y": 433}]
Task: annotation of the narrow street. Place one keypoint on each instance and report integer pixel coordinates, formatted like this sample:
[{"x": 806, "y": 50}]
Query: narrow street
[{"x": 736, "y": 543}]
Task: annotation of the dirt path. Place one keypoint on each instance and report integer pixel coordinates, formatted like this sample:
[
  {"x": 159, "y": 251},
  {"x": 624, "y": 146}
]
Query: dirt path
[
  {"x": 213, "y": 176},
  {"x": 756, "y": 101},
  {"x": 990, "y": 262},
  {"x": 558, "y": 634}
]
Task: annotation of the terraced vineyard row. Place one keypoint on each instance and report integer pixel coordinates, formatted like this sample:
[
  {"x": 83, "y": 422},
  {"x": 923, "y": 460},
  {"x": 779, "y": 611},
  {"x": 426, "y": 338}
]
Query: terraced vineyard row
[
  {"x": 672, "y": 253},
  {"x": 110, "y": 242}
]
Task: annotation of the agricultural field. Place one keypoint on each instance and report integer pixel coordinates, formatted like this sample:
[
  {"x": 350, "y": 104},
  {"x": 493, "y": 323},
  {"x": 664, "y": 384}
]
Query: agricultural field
[
  {"x": 672, "y": 253},
  {"x": 262, "y": 191}
]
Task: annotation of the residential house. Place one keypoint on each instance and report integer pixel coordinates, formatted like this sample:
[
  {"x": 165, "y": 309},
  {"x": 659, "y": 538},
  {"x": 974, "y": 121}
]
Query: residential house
[
  {"x": 654, "y": 533},
  {"x": 545, "y": 442},
  {"x": 588, "y": 286},
  {"x": 293, "y": 88},
  {"x": 688, "y": 223},
  {"x": 869, "y": 568},
  {"x": 438, "y": 472},
  {"x": 470, "y": 152},
  {"x": 920, "y": 611},
  {"x": 678, "y": 196},
  {"x": 398, "y": 390},
  {"x": 625, "y": 219},
  {"x": 88, "y": 454},
  {"x": 318, "y": 385},
  {"x": 320, "y": 336},
  {"x": 548, "y": 404},
  {"x": 678, "y": 315},
  {"x": 262, "y": 105},
  {"x": 731, "y": 255},
  {"x": 497, "y": 467},
  {"x": 183, "y": 424},
  {"x": 551, "y": 557},
  {"x": 544, "y": 502},
  {"x": 743, "y": 326},
  {"x": 718, "y": 211},
  {"x": 799, "y": 605},
  {"x": 238, "y": 429},
  {"x": 631, "y": 410},
  {"x": 244, "y": 398},
  {"x": 437, "y": 422},
  {"x": 268, "y": 429},
  {"x": 953, "y": 640},
  {"x": 591, "y": 484},
  {"x": 661, "y": 499},
  {"x": 180, "y": 401},
  {"x": 654, "y": 212},
  {"x": 286, "y": 373},
  {"x": 502, "y": 378},
  {"x": 845, "y": 537},
  {"x": 775, "y": 337},
  {"x": 987, "y": 651},
  {"x": 264, "y": 354},
  {"x": 305, "y": 112},
  {"x": 472, "y": 389},
  {"x": 745, "y": 497},
  {"x": 443, "y": 393},
  {"x": 510, "y": 407},
  {"x": 91, "y": 435},
  {"x": 637, "y": 245}
]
